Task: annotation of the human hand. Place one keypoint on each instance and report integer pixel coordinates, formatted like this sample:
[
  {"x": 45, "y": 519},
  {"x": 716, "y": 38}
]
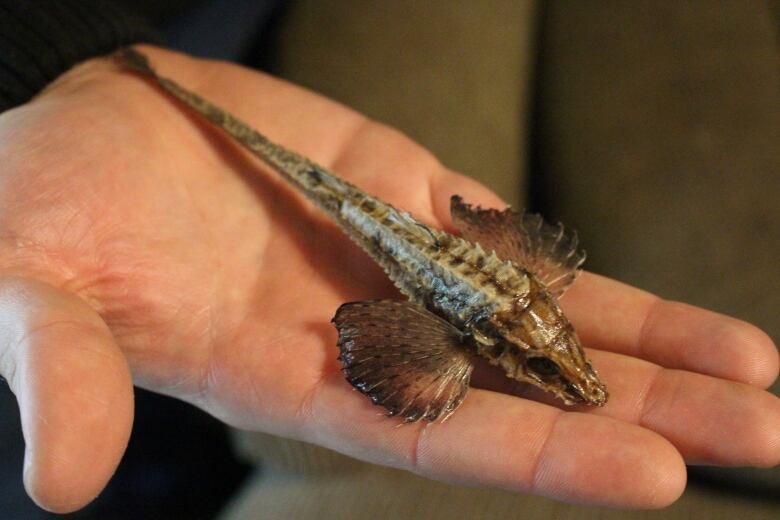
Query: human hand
[{"x": 138, "y": 245}]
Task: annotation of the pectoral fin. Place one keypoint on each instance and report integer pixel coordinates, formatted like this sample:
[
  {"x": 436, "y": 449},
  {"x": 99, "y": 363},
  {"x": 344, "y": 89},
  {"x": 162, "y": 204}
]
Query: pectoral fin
[
  {"x": 403, "y": 357},
  {"x": 545, "y": 250}
]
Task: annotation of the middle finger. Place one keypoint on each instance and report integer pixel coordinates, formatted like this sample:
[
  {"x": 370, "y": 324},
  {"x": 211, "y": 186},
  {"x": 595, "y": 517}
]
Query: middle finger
[
  {"x": 619, "y": 318},
  {"x": 709, "y": 420}
]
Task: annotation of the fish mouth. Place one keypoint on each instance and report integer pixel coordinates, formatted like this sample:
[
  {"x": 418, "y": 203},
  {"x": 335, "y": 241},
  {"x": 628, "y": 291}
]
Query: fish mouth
[{"x": 596, "y": 395}]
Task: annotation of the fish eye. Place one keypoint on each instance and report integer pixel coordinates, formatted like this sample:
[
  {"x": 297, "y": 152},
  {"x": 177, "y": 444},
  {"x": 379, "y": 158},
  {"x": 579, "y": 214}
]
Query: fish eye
[{"x": 543, "y": 366}]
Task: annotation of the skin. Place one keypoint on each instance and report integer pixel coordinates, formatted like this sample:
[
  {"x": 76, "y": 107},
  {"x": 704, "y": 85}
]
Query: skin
[{"x": 139, "y": 246}]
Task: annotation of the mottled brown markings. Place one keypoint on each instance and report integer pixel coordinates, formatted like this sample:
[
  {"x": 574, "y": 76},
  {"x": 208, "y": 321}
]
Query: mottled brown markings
[
  {"x": 456, "y": 261},
  {"x": 368, "y": 205},
  {"x": 314, "y": 177},
  {"x": 476, "y": 270}
]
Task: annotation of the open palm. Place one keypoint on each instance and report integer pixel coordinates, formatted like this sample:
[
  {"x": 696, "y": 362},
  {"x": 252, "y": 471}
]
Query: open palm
[{"x": 137, "y": 242}]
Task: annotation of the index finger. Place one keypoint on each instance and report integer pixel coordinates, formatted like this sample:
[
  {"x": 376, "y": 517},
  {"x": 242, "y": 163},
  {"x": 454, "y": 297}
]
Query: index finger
[{"x": 618, "y": 318}]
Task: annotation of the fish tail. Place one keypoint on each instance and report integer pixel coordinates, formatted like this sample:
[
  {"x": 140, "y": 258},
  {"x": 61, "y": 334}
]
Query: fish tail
[
  {"x": 322, "y": 186},
  {"x": 136, "y": 61}
]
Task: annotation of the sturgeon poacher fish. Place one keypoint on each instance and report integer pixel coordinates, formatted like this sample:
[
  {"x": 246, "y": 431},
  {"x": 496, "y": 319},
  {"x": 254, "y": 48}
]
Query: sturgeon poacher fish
[{"x": 491, "y": 292}]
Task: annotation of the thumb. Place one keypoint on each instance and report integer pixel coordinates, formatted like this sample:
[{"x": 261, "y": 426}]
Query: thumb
[{"x": 74, "y": 390}]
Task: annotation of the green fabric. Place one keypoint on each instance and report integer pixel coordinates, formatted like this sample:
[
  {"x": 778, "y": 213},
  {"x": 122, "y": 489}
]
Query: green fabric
[
  {"x": 664, "y": 150},
  {"x": 454, "y": 75}
]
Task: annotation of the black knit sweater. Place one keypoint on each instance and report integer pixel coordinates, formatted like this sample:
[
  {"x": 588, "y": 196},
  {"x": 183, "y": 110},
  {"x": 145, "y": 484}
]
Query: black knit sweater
[{"x": 41, "y": 39}]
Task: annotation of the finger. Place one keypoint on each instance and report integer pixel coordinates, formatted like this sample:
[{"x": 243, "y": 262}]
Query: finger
[
  {"x": 612, "y": 316},
  {"x": 709, "y": 420},
  {"x": 446, "y": 184},
  {"x": 74, "y": 392},
  {"x": 501, "y": 441}
]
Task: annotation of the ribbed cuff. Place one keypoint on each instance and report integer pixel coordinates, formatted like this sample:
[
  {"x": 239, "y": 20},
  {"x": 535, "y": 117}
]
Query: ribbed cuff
[{"x": 41, "y": 39}]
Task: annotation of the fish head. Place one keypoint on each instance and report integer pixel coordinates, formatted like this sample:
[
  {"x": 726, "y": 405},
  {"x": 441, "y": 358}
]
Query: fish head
[
  {"x": 561, "y": 367},
  {"x": 534, "y": 342}
]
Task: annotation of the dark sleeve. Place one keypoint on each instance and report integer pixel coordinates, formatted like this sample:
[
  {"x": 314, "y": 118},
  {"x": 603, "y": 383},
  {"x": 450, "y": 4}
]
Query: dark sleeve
[{"x": 41, "y": 39}]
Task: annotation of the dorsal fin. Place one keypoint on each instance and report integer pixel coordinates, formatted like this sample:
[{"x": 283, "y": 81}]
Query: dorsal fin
[{"x": 547, "y": 251}]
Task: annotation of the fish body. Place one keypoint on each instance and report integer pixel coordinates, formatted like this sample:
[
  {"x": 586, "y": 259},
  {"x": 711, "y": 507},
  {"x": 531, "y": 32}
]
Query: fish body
[{"x": 491, "y": 292}]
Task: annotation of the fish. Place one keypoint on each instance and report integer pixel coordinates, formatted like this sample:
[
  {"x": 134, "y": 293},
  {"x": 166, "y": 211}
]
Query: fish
[{"x": 490, "y": 293}]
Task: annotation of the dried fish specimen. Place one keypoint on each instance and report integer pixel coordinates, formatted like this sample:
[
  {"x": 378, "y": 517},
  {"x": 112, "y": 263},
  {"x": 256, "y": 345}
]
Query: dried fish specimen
[{"x": 491, "y": 293}]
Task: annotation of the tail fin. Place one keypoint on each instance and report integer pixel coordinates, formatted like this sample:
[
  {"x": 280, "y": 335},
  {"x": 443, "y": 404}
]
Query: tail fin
[
  {"x": 291, "y": 165},
  {"x": 317, "y": 183},
  {"x": 136, "y": 61}
]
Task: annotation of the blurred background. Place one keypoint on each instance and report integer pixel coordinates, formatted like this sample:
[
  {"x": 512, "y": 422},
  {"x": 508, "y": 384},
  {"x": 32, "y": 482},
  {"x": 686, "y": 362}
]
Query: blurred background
[{"x": 653, "y": 128}]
